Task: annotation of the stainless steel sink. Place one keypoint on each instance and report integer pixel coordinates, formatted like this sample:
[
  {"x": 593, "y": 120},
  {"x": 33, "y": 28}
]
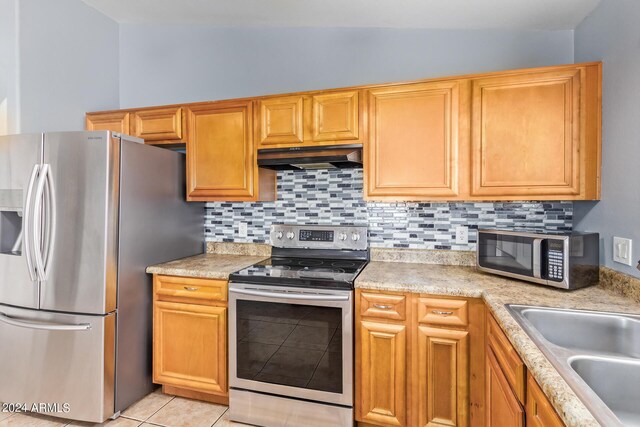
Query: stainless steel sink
[
  {"x": 587, "y": 331},
  {"x": 616, "y": 382},
  {"x": 597, "y": 353}
]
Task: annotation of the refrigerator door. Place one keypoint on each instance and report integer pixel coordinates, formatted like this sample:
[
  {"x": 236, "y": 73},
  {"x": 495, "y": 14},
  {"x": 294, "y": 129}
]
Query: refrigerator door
[
  {"x": 20, "y": 157},
  {"x": 58, "y": 359},
  {"x": 79, "y": 247}
]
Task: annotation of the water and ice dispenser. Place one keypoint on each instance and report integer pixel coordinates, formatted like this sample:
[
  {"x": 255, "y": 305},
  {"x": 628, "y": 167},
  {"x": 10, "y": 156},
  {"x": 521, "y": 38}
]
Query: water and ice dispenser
[{"x": 11, "y": 222}]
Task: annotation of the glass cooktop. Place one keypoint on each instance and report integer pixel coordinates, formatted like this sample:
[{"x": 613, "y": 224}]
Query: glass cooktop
[{"x": 302, "y": 272}]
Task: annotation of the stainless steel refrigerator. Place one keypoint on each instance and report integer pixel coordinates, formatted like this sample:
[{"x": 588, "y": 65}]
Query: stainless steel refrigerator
[{"x": 82, "y": 214}]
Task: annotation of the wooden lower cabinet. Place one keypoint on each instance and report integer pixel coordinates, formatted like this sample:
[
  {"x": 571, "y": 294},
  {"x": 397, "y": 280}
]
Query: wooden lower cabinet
[
  {"x": 415, "y": 373},
  {"x": 503, "y": 407},
  {"x": 539, "y": 411},
  {"x": 513, "y": 397},
  {"x": 443, "y": 377},
  {"x": 190, "y": 342},
  {"x": 383, "y": 364}
]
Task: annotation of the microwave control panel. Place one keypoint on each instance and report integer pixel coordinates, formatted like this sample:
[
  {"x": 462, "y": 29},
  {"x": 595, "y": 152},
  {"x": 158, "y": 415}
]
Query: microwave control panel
[{"x": 555, "y": 257}]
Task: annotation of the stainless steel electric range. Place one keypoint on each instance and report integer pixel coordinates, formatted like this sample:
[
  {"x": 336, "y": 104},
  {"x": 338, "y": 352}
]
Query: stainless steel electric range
[{"x": 291, "y": 329}]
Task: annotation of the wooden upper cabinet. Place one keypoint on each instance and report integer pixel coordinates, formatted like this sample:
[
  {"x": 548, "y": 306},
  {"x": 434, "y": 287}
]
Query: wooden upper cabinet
[
  {"x": 417, "y": 135},
  {"x": 529, "y": 138},
  {"x": 221, "y": 157},
  {"x": 311, "y": 119},
  {"x": 443, "y": 377},
  {"x": 281, "y": 121},
  {"x": 160, "y": 125},
  {"x": 117, "y": 121},
  {"x": 336, "y": 116}
]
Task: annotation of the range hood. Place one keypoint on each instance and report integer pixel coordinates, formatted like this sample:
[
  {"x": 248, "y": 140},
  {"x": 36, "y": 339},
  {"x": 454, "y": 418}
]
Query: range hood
[{"x": 297, "y": 158}]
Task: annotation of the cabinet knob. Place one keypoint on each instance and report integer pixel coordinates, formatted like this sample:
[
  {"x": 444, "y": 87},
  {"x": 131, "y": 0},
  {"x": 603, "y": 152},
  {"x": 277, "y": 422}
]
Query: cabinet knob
[
  {"x": 383, "y": 307},
  {"x": 190, "y": 289}
]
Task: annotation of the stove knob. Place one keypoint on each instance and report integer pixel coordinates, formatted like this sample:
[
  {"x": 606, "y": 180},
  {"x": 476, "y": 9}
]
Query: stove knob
[
  {"x": 279, "y": 235},
  {"x": 355, "y": 237},
  {"x": 291, "y": 235},
  {"x": 343, "y": 236}
]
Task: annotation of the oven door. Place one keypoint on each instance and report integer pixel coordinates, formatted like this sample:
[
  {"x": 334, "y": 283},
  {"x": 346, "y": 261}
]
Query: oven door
[{"x": 294, "y": 342}]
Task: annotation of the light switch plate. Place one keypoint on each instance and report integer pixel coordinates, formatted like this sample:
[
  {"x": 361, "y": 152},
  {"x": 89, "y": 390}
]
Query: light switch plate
[
  {"x": 242, "y": 229},
  {"x": 622, "y": 250},
  {"x": 462, "y": 235}
]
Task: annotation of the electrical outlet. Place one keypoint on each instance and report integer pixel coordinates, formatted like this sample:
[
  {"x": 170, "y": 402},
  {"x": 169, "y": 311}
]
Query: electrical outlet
[
  {"x": 242, "y": 229},
  {"x": 622, "y": 250},
  {"x": 462, "y": 235}
]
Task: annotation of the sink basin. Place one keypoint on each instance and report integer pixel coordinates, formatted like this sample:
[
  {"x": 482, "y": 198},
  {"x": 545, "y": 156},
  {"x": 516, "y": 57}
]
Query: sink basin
[
  {"x": 616, "y": 382},
  {"x": 597, "y": 353},
  {"x": 587, "y": 331}
]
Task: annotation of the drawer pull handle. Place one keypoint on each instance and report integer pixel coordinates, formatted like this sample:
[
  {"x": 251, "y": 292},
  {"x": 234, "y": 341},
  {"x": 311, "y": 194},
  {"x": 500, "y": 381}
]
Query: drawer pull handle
[
  {"x": 383, "y": 307},
  {"x": 190, "y": 289},
  {"x": 442, "y": 313}
]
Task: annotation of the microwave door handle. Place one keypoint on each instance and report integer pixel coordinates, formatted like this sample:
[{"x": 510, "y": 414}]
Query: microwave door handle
[{"x": 537, "y": 258}]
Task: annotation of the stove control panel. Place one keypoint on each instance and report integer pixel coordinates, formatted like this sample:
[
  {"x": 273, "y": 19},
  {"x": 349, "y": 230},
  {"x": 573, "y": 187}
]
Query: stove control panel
[{"x": 319, "y": 237}]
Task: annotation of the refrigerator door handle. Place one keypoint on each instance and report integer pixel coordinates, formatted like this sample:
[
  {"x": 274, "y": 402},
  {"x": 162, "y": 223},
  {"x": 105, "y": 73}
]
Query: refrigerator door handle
[
  {"x": 37, "y": 238},
  {"x": 29, "y": 324},
  {"x": 49, "y": 223},
  {"x": 27, "y": 224}
]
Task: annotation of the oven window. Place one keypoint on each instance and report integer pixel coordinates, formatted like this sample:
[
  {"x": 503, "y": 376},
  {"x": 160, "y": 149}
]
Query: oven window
[
  {"x": 290, "y": 344},
  {"x": 513, "y": 254}
]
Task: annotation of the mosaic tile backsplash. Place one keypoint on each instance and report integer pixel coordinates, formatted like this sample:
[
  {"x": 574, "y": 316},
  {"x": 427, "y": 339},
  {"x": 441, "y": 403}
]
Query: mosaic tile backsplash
[{"x": 335, "y": 197}]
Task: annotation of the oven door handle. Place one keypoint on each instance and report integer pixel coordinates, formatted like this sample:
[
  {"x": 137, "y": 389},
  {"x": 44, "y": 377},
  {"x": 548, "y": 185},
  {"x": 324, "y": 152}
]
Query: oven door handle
[{"x": 291, "y": 295}]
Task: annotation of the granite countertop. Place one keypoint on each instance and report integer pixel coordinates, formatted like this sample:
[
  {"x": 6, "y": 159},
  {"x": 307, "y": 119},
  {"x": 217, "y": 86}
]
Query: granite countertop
[
  {"x": 497, "y": 291},
  {"x": 207, "y": 266}
]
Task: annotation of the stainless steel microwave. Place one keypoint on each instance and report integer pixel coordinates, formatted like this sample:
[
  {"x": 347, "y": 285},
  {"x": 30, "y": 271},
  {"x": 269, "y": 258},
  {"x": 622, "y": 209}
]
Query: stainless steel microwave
[{"x": 567, "y": 261}]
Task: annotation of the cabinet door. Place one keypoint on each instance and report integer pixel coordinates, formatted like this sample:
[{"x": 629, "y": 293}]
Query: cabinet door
[
  {"x": 415, "y": 134},
  {"x": 159, "y": 125},
  {"x": 281, "y": 121},
  {"x": 221, "y": 162},
  {"x": 539, "y": 411},
  {"x": 190, "y": 347},
  {"x": 336, "y": 116},
  {"x": 443, "y": 377},
  {"x": 381, "y": 369},
  {"x": 503, "y": 408},
  {"x": 526, "y": 134},
  {"x": 116, "y": 122}
]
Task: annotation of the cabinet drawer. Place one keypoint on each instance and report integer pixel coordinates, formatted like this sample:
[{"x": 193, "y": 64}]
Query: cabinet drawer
[
  {"x": 192, "y": 290},
  {"x": 440, "y": 311},
  {"x": 539, "y": 411},
  {"x": 159, "y": 124},
  {"x": 507, "y": 357},
  {"x": 383, "y": 306}
]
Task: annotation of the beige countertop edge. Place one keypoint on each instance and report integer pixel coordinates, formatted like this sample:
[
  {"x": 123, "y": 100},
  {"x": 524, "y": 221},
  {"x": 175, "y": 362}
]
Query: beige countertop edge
[
  {"x": 205, "y": 266},
  {"x": 566, "y": 403}
]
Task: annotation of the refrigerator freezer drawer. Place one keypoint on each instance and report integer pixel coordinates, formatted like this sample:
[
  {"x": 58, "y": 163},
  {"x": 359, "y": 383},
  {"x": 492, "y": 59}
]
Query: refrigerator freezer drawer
[{"x": 58, "y": 359}]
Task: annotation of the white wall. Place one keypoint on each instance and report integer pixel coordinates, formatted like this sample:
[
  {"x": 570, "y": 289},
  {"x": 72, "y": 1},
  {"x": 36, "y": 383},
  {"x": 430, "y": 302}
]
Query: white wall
[
  {"x": 612, "y": 34},
  {"x": 163, "y": 64},
  {"x": 9, "y": 100},
  {"x": 68, "y": 64}
]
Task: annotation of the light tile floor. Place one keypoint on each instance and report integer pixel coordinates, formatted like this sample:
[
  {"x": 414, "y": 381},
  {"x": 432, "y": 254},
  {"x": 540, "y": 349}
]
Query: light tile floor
[{"x": 157, "y": 409}]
